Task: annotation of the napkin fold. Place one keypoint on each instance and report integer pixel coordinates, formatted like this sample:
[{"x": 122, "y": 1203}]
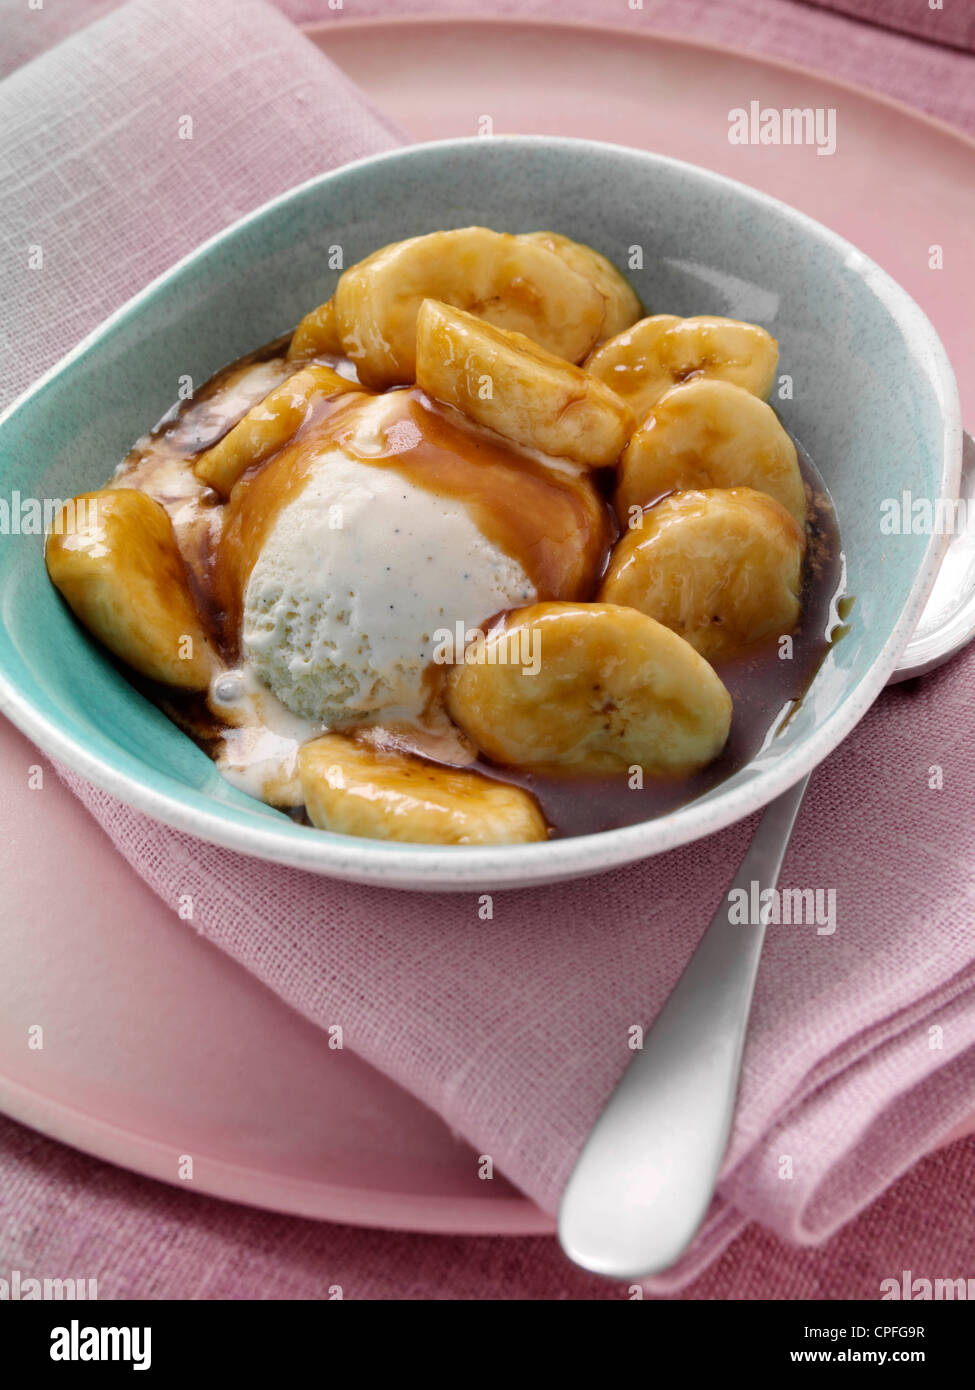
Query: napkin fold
[
  {"x": 129, "y": 144},
  {"x": 861, "y": 1054}
]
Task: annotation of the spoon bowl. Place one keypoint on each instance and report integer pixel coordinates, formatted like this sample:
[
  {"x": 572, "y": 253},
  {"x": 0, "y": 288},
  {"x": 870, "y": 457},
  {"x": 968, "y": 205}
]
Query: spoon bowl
[{"x": 948, "y": 621}]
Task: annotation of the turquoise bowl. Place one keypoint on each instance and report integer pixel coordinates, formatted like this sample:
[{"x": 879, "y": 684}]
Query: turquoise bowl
[{"x": 874, "y": 403}]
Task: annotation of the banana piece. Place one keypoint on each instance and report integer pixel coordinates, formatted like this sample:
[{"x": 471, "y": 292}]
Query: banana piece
[
  {"x": 354, "y": 787},
  {"x": 663, "y": 351},
  {"x": 505, "y": 381},
  {"x": 623, "y": 308},
  {"x": 709, "y": 434},
  {"x": 722, "y": 568},
  {"x": 114, "y": 557},
  {"x": 316, "y": 333},
  {"x": 511, "y": 283},
  {"x": 267, "y": 426},
  {"x": 611, "y": 689}
]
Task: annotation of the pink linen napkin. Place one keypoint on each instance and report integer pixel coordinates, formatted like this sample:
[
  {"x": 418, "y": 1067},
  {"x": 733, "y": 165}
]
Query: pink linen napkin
[
  {"x": 516, "y": 1028},
  {"x": 94, "y": 171}
]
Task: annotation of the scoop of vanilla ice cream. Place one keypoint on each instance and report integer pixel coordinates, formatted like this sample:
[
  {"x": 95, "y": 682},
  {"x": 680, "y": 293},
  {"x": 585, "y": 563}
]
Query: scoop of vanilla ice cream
[{"x": 359, "y": 571}]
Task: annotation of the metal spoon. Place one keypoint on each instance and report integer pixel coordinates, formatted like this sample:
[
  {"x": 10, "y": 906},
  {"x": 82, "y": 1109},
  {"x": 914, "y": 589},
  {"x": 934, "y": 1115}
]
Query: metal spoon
[{"x": 646, "y": 1175}]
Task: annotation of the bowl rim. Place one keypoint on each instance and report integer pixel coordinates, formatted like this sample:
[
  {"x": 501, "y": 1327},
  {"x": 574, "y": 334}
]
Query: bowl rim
[{"x": 455, "y": 867}]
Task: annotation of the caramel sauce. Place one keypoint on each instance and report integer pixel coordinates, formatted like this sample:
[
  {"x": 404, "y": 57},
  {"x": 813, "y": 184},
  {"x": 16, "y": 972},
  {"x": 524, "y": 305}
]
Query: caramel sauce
[
  {"x": 160, "y": 464},
  {"x": 553, "y": 523},
  {"x": 766, "y": 692},
  {"x": 253, "y": 507},
  {"x": 557, "y": 524}
]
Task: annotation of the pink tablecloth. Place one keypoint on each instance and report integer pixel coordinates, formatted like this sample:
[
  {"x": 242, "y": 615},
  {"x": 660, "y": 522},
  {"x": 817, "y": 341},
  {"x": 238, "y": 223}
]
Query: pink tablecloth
[
  {"x": 64, "y": 1214},
  {"x": 57, "y": 1205},
  {"x": 928, "y": 75}
]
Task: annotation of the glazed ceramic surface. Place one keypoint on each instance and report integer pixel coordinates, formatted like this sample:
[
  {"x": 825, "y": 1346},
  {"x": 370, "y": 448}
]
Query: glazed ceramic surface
[{"x": 873, "y": 401}]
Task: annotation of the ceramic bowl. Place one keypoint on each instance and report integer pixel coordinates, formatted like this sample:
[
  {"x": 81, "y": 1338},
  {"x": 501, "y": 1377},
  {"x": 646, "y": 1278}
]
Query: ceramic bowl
[{"x": 873, "y": 401}]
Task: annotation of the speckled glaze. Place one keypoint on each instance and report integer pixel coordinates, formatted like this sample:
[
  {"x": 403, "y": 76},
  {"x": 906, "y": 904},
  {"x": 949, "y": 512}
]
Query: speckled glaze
[{"x": 874, "y": 402}]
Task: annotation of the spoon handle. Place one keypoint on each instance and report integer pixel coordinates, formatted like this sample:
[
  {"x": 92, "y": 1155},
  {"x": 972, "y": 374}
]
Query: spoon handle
[{"x": 646, "y": 1175}]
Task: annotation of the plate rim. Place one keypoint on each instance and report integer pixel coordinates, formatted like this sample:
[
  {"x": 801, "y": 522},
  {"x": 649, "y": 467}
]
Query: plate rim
[
  {"x": 247, "y": 1184},
  {"x": 317, "y": 27}
]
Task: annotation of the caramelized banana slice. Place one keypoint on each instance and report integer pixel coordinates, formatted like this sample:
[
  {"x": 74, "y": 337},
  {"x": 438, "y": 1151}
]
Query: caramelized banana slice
[
  {"x": 511, "y": 283},
  {"x": 623, "y": 308},
  {"x": 505, "y": 381},
  {"x": 114, "y": 557},
  {"x": 589, "y": 687},
  {"x": 660, "y": 352},
  {"x": 710, "y": 434},
  {"x": 267, "y": 426},
  {"x": 316, "y": 333},
  {"x": 721, "y": 567},
  {"x": 356, "y": 788}
]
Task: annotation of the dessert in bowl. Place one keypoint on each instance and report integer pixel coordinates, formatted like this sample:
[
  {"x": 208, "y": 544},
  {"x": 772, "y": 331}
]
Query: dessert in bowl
[
  {"x": 395, "y": 578},
  {"x": 503, "y": 550}
]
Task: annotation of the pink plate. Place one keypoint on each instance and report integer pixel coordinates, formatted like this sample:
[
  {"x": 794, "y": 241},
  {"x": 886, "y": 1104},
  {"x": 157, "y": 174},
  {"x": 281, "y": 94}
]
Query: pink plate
[
  {"x": 897, "y": 183},
  {"x": 155, "y": 1045}
]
